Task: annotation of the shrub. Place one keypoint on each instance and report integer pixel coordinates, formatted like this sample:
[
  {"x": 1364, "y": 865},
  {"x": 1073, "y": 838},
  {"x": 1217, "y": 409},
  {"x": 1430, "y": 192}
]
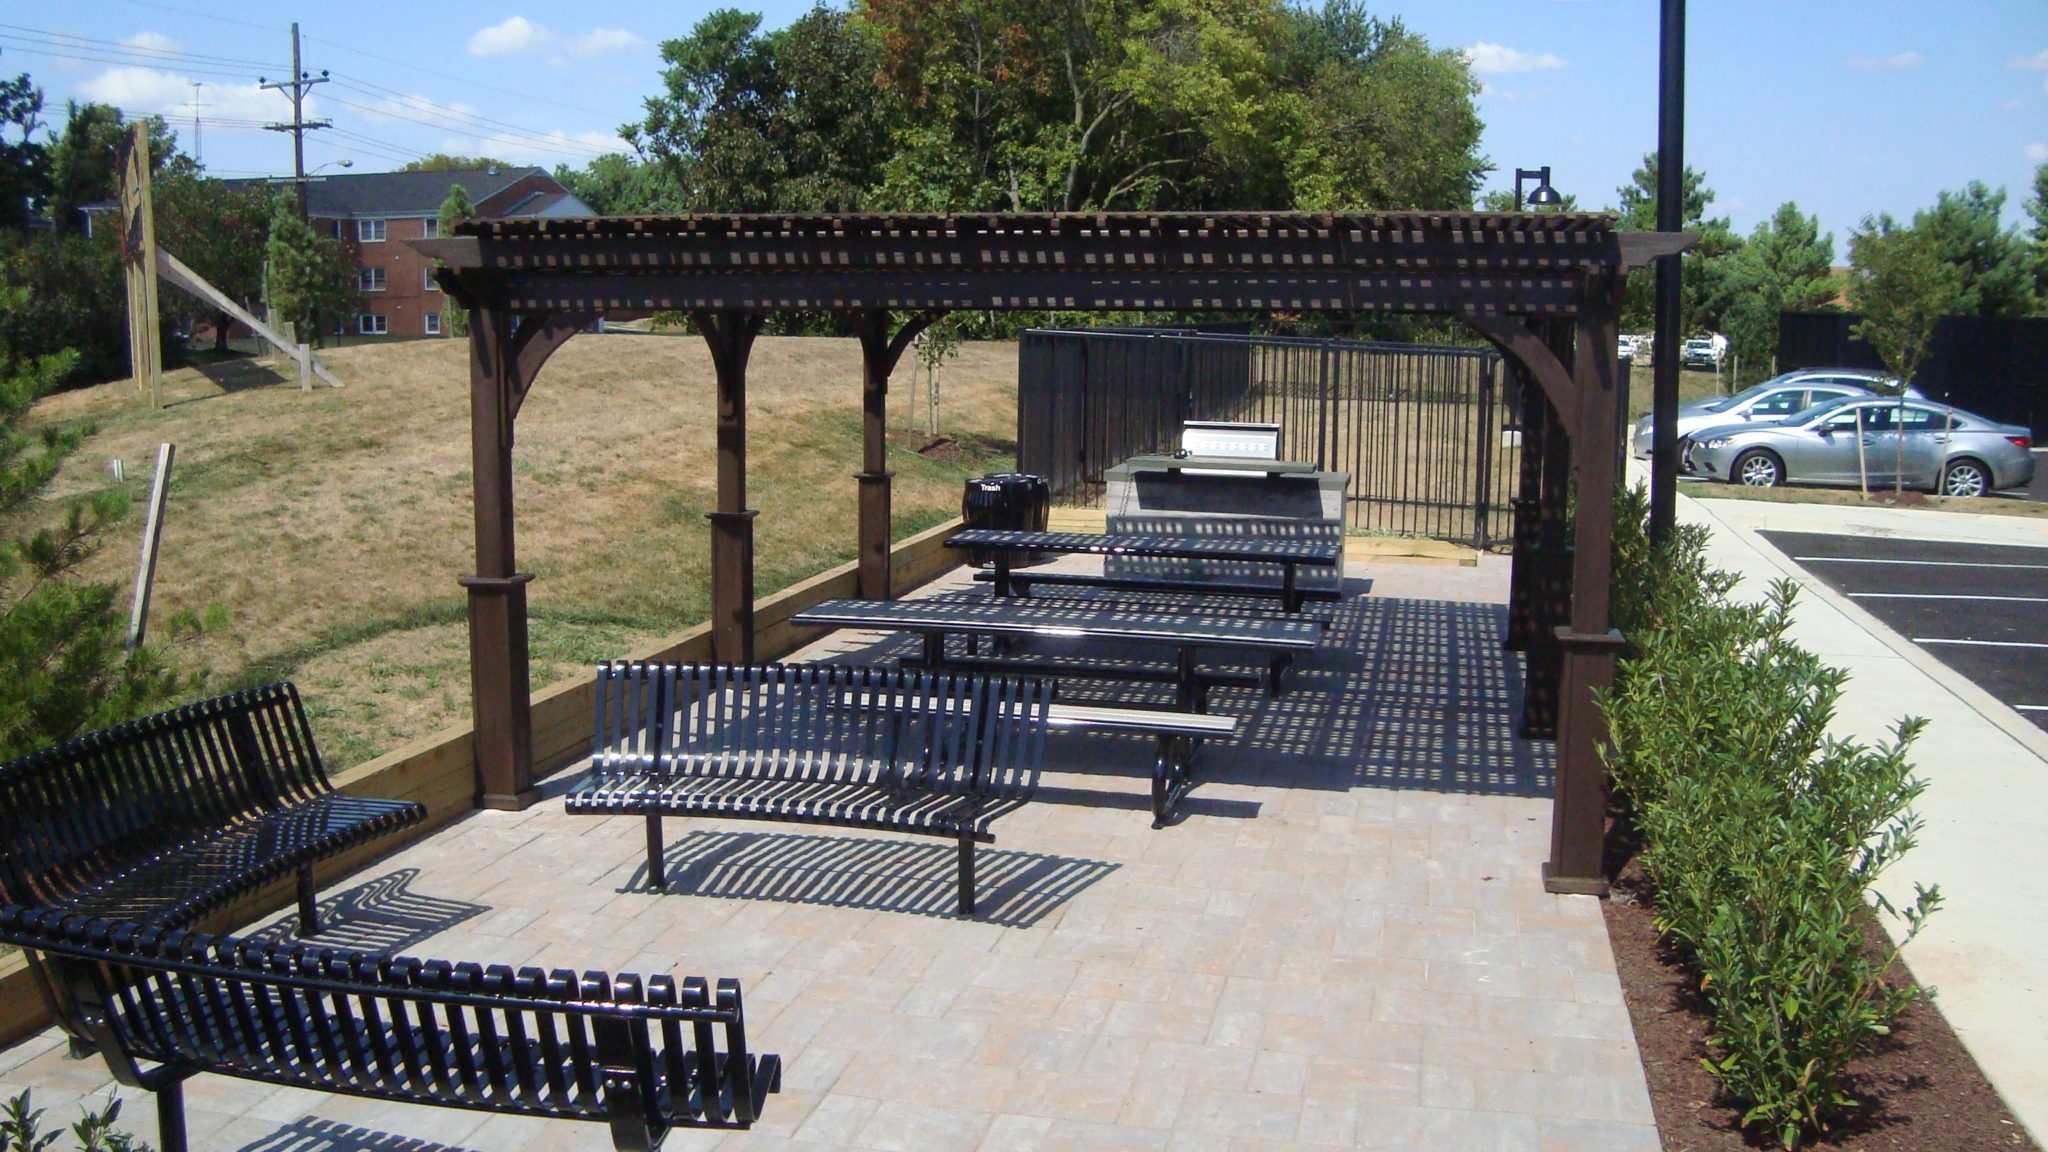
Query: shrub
[
  {"x": 21, "y": 1129},
  {"x": 1762, "y": 836}
]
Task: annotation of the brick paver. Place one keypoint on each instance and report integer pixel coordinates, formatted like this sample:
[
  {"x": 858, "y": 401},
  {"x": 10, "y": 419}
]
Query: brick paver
[{"x": 1344, "y": 944}]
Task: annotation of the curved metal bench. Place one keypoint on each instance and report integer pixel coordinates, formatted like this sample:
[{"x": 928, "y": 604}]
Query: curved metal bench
[
  {"x": 165, "y": 819},
  {"x": 883, "y": 748},
  {"x": 641, "y": 1056}
]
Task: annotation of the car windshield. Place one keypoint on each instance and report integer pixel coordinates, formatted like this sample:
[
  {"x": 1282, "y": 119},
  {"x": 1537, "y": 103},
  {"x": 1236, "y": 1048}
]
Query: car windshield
[
  {"x": 1820, "y": 412},
  {"x": 1745, "y": 396}
]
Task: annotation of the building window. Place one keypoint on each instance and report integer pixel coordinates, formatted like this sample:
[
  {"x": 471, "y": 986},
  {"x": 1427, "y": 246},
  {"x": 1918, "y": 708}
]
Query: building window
[
  {"x": 430, "y": 228},
  {"x": 370, "y": 231},
  {"x": 432, "y": 285},
  {"x": 372, "y": 323},
  {"x": 433, "y": 324},
  {"x": 370, "y": 279}
]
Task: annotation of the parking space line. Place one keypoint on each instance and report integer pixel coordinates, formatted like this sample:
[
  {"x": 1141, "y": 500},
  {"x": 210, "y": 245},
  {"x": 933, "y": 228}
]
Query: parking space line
[
  {"x": 1945, "y": 596},
  {"x": 1916, "y": 563},
  {"x": 1980, "y": 643}
]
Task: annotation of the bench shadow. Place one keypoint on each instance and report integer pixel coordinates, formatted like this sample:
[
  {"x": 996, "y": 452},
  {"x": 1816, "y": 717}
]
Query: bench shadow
[
  {"x": 312, "y": 1134},
  {"x": 1012, "y": 889},
  {"x": 383, "y": 915}
]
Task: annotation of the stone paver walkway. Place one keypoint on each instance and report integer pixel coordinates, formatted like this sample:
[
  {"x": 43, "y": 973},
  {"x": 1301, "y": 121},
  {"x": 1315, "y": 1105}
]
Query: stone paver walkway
[{"x": 1345, "y": 944}]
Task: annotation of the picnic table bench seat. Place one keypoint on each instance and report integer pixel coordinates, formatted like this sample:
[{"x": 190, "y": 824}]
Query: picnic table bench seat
[
  {"x": 165, "y": 819},
  {"x": 876, "y": 748},
  {"x": 642, "y": 1056}
]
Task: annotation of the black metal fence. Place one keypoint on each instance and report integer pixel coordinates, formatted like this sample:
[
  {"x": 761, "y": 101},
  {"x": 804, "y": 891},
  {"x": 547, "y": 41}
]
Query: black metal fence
[
  {"x": 1423, "y": 430},
  {"x": 1993, "y": 366}
]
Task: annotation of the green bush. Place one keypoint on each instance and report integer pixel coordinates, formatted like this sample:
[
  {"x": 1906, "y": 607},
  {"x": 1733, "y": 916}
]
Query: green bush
[
  {"x": 21, "y": 1129},
  {"x": 1761, "y": 835}
]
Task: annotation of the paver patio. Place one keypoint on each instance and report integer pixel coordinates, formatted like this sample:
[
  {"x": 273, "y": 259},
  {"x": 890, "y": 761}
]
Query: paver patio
[{"x": 1345, "y": 943}]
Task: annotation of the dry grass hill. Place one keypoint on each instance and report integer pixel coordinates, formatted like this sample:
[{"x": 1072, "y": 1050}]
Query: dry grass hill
[{"x": 330, "y": 527}]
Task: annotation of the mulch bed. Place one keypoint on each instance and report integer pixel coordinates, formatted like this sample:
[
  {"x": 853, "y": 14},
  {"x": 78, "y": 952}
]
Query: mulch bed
[{"x": 1920, "y": 1092}]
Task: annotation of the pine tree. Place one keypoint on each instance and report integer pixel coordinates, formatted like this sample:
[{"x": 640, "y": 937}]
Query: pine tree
[
  {"x": 62, "y": 666},
  {"x": 454, "y": 210},
  {"x": 310, "y": 277}
]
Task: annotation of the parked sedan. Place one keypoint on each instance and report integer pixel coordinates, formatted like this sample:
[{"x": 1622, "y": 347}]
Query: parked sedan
[
  {"x": 1774, "y": 399},
  {"x": 1941, "y": 449}
]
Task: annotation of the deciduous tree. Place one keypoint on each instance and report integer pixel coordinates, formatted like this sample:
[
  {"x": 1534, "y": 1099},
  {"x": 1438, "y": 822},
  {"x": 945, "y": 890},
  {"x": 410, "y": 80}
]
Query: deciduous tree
[
  {"x": 220, "y": 231},
  {"x": 85, "y": 165},
  {"x": 443, "y": 162},
  {"x": 24, "y": 163}
]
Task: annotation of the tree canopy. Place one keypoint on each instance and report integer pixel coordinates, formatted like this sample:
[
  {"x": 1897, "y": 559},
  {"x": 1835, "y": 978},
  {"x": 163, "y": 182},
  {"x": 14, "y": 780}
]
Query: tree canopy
[
  {"x": 443, "y": 162},
  {"x": 85, "y": 165},
  {"x": 1992, "y": 261},
  {"x": 1052, "y": 105},
  {"x": 1704, "y": 295},
  {"x": 1784, "y": 266}
]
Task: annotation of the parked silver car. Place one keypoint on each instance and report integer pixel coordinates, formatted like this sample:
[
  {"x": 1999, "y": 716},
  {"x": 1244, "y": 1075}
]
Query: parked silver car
[
  {"x": 1774, "y": 399},
  {"x": 1942, "y": 449}
]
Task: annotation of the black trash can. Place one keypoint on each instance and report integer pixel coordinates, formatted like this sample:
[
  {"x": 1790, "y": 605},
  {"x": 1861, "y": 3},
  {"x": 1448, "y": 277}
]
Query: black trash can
[{"x": 1010, "y": 502}]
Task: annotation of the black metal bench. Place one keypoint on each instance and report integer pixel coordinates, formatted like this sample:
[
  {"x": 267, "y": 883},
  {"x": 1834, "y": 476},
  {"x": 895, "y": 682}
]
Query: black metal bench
[
  {"x": 643, "y": 1057},
  {"x": 1178, "y": 734},
  {"x": 165, "y": 819},
  {"x": 889, "y": 749}
]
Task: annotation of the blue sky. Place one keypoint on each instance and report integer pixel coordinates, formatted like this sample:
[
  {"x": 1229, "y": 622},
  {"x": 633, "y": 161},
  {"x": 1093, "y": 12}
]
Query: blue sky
[{"x": 1848, "y": 107}]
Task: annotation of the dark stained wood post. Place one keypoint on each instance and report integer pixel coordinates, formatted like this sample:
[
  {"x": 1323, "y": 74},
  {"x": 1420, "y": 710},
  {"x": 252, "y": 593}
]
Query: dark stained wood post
[
  {"x": 730, "y": 335},
  {"x": 1535, "y": 416},
  {"x": 501, "y": 694},
  {"x": 1550, "y": 581},
  {"x": 879, "y": 352},
  {"x": 1579, "y": 808}
]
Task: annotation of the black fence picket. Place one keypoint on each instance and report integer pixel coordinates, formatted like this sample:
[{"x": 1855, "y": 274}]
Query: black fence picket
[{"x": 1421, "y": 429}]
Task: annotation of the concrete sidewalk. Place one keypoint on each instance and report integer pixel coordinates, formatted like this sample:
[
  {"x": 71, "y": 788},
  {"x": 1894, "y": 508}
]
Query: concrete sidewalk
[{"x": 1985, "y": 839}]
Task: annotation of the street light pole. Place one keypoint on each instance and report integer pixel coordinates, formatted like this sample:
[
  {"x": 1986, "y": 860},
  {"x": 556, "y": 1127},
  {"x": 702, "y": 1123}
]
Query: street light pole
[
  {"x": 1670, "y": 218},
  {"x": 1544, "y": 196}
]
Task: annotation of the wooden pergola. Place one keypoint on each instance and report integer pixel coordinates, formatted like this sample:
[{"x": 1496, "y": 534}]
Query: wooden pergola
[{"x": 1545, "y": 289}]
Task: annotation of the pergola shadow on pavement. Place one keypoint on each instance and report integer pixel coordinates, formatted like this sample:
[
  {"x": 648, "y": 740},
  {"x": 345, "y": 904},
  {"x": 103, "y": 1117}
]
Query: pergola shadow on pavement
[
  {"x": 1404, "y": 694},
  {"x": 1545, "y": 289}
]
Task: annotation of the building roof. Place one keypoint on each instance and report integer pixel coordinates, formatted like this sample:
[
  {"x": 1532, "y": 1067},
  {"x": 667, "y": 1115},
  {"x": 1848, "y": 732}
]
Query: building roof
[{"x": 350, "y": 194}]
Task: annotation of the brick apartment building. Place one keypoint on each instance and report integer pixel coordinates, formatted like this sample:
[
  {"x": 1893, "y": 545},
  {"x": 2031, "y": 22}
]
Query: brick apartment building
[{"x": 374, "y": 213}]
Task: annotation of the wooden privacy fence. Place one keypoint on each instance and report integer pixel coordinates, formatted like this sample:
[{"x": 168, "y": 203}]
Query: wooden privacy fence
[{"x": 1423, "y": 431}]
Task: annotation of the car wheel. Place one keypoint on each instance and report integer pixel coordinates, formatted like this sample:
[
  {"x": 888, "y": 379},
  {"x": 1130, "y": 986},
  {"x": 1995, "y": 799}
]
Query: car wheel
[
  {"x": 1758, "y": 469},
  {"x": 1965, "y": 478}
]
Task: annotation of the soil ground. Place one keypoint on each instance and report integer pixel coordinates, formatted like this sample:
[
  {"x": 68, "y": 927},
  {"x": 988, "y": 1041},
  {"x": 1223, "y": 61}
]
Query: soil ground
[{"x": 1920, "y": 1092}]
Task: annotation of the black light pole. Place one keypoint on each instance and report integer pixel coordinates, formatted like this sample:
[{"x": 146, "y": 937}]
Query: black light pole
[
  {"x": 1670, "y": 218},
  {"x": 1544, "y": 196}
]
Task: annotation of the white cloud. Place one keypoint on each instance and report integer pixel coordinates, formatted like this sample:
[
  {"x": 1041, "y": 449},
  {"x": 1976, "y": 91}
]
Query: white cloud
[
  {"x": 151, "y": 44},
  {"x": 552, "y": 148},
  {"x": 1498, "y": 59},
  {"x": 2012, "y": 105},
  {"x": 148, "y": 91},
  {"x": 601, "y": 40},
  {"x": 2037, "y": 153},
  {"x": 2038, "y": 62},
  {"x": 515, "y": 35},
  {"x": 1894, "y": 63}
]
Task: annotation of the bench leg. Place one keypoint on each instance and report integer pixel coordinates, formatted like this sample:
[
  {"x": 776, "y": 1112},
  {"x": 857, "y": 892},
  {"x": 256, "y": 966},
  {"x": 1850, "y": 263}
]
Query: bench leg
[
  {"x": 657, "y": 877},
  {"x": 967, "y": 871},
  {"x": 170, "y": 1117},
  {"x": 1173, "y": 776},
  {"x": 309, "y": 907}
]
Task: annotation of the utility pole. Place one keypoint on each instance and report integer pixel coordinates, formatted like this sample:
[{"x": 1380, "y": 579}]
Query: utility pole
[
  {"x": 198, "y": 151},
  {"x": 1670, "y": 218},
  {"x": 298, "y": 84}
]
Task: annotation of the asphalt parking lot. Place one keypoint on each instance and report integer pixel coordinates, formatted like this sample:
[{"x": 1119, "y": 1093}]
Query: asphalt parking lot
[{"x": 1981, "y": 609}]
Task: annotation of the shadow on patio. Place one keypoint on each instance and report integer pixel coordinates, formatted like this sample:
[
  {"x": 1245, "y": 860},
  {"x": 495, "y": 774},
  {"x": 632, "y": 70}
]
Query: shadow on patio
[
  {"x": 1015, "y": 889},
  {"x": 1404, "y": 694},
  {"x": 383, "y": 915},
  {"x": 309, "y": 1134}
]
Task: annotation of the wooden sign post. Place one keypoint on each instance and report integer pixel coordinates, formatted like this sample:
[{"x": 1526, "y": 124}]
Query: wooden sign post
[{"x": 138, "y": 259}]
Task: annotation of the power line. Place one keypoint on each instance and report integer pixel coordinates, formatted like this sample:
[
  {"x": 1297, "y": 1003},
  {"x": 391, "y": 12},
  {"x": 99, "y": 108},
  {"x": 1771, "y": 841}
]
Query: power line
[
  {"x": 202, "y": 15},
  {"x": 470, "y": 127},
  {"x": 299, "y": 83},
  {"x": 424, "y": 71},
  {"x": 369, "y": 89},
  {"x": 62, "y": 53},
  {"x": 73, "y": 40}
]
